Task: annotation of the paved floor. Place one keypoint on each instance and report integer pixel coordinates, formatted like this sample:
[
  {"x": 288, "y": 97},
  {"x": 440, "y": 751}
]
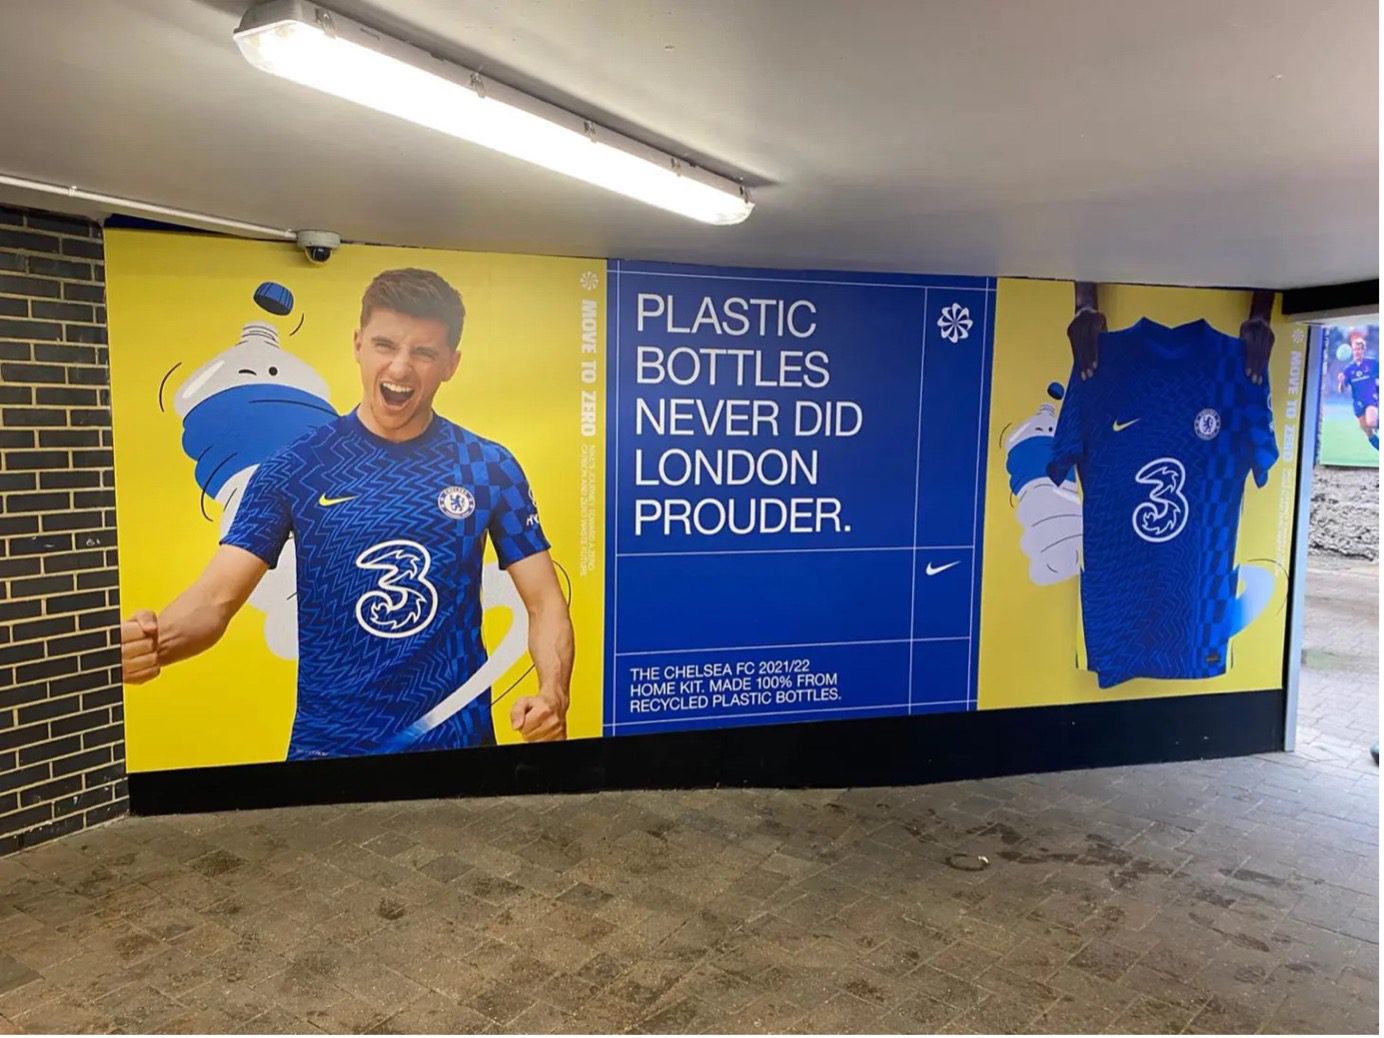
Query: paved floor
[{"x": 1226, "y": 896}]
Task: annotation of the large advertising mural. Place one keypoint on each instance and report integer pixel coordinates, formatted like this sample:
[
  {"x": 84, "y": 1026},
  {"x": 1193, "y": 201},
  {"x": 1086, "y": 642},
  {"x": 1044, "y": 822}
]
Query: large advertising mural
[{"x": 413, "y": 500}]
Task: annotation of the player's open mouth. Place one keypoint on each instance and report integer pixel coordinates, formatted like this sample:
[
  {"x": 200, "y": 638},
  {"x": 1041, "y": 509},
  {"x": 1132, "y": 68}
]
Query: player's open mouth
[{"x": 394, "y": 394}]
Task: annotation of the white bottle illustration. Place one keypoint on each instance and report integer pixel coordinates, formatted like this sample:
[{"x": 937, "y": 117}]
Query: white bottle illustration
[
  {"x": 1049, "y": 515},
  {"x": 255, "y": 361}
]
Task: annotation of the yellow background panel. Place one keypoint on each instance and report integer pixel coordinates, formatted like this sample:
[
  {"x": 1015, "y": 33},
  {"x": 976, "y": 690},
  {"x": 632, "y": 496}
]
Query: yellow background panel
[{"x": 179, "y": 299}]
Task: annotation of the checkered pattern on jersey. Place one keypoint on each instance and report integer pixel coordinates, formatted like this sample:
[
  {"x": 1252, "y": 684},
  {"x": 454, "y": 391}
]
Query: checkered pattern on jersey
[
  {"x": 1165, "y": 431},
  {"x": 390, "y": 556}
]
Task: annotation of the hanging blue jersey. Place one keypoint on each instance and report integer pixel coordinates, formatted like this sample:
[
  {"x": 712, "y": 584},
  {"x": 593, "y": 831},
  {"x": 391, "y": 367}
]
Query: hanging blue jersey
[
  {"x": 1162, "y": 437},
  {"x": 389, "y": 540},
  {"x": 1363, "y": 379}
]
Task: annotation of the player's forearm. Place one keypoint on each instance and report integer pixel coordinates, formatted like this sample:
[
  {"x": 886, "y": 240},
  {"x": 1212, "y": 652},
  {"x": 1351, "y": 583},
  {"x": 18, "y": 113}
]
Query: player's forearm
[
  {"x": 552, "y": 648},
  {"x": 1086, "y": 295},
  {"x": 192, "y": 623}
]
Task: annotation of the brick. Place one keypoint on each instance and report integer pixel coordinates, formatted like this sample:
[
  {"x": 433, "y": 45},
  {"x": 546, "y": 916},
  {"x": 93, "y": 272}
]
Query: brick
[
  {"x": 111, "y": 733},
  {"x": 60, "y": 224},
  {"x": 18, "y": 695},
  {"x": 82, "y": 642},
  {"x": 21, "y": 653},
  {"x": 20, "y": 438},
  {"x": 28, "y": 240},
  {"x": 79, "y": 723},
  {"x": 24, "y": 735},
  {"x": 32, "y": 416},
  {"x": 17, "y": 778},
  {"x": 50, "y": 750},
  {"x": 49, "y": 542},
  {"x": 92, "y": 797},
  {"x": 78, "y": 521},
  {"x": 51, "y": 790},
  {"x": 101, "y": 618},
  {"x": 69, "y": 437},
  {"x": 44, "y": 501},
  {"x": 44, "y": 628},
  {"x": 61, "y": 480},
  {"x": 90, "y": 416},
  {"x": 83, "y": 333},
  {"x": 98, "y": 578},
  {"x": 28, "y": 566},
  {"x": 66, "y": 396},
  {"x": 84, "y": 249},
  {"x": 26, "y": 286},
  {"x": 19, "y": 610},
  {"x": 67, "y": 562},
  {"x": 77, "y": 683},
  {"x": 14, "y": 328},
  {"x": 88, "y": 376},
  {"x": 65, "y": 353},
  {"x": 16, "y": 394},
  {"x": 93, "y": 459},
  {"x": 18, "y": 481},
  {"x": 103, "y": 657},
  {"x": 74, "y": 603},
  {"x": 106, "y": 812},
  {"x": 106, "y": 775},
  {"x": 111, "y": 695},
  {"x": 19, "y": 460},
  {"x": 52, "y": 830},
  {"x": 103, "y": 538},
  {"x": 12, "y": 307},
  {"x": 49, "y": 311},
  {"x": 84, "y": 293},
  {"x": 94, "y": 499},
  {"x": 60, "y": 268},
  {"x": 18, "y": 371},
  {"x": 16, "y": 351},
  {"x": 84, "y": 761},
  {"x": 47, "y": 668},
  {"x": 27, "y": 818}
]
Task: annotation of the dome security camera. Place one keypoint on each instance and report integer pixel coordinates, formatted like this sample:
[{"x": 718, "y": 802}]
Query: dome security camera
[{"x": 318, "y": 246}]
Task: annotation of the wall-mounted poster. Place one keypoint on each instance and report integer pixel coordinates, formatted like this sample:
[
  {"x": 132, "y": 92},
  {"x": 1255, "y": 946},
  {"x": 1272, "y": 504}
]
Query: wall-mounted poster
[
  {"x": 1350, "y": 396},
  {"x": 417, "y": 500}
]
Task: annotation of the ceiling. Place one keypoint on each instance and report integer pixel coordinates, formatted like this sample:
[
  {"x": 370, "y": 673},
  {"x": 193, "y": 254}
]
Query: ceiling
[{"x": 1218, "y": 142}]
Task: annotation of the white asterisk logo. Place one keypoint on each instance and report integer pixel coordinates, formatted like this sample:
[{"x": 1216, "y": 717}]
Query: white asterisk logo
[
  {"x": 955, "y": 322},
  {"x": 589, "y": 280}
]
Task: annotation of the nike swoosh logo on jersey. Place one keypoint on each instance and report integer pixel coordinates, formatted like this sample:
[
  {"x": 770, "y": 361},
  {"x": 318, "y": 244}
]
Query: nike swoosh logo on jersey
[
  {"x": 1122, "y": 426},
  {"x": 327, "y": 502},
  {"x": 932, "y": 570}
]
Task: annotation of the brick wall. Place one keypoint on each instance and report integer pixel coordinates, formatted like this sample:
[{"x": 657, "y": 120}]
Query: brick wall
[{"x": 62, "y": 743}]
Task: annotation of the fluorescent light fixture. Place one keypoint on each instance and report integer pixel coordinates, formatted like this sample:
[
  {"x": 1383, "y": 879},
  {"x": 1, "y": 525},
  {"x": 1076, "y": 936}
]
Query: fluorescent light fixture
[{"x": 310, "y": 45}]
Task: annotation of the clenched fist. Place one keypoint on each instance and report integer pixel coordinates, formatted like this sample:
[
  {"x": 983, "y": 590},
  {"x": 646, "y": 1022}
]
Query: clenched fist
[
  {"x": 540, "y": 718},
  {"x": 139, "y": 647}
]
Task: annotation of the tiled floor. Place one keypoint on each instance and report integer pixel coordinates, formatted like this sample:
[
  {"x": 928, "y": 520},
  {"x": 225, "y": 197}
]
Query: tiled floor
[{"x": 1234, "y": 895}]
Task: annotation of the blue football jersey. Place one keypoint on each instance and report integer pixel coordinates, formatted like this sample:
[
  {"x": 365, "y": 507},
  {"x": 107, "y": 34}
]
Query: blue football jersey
[
  {"x": 1162, "y": 437},
  {"x": 389, "y": 540},
  {"x": 1363, "y": 379}
]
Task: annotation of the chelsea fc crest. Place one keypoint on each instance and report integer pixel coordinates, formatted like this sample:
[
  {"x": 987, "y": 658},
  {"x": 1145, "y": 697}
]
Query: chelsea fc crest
[
  {"x": 1207, "y": 423},
  {"x": 456, "y": 502}
]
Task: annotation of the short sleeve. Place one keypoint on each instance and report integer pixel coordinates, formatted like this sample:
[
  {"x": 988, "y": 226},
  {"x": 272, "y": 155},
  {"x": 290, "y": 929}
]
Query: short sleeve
[
  {"x": 1258, "y": 447},
  {"x": 514, "y": 525},
  {"x": 1069, "y": 439},
  {"x": 264, "y": 520}
]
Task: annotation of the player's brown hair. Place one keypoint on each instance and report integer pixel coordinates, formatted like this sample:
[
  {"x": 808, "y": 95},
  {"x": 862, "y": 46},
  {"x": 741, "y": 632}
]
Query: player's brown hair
[{"x": 416, "y": 293}]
